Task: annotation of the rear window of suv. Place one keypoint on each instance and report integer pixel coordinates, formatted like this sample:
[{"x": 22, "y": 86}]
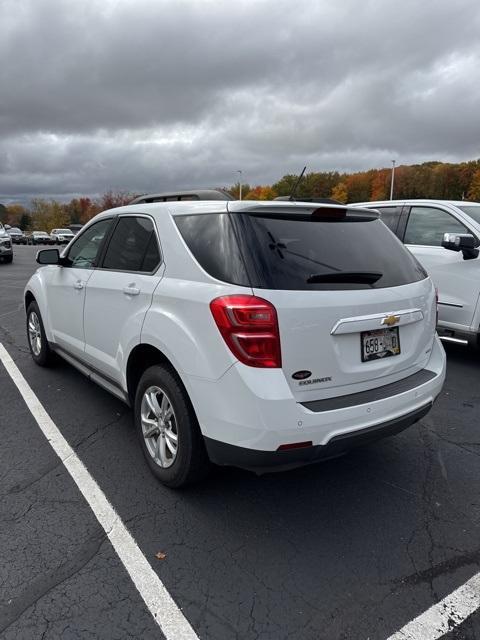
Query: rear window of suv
[{"x": 299, "y": 251}]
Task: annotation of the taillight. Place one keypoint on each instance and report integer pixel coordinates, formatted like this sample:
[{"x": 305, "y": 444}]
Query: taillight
[
  {"x": 249, "y": 326},
  {"x": 436, "y": 306}
]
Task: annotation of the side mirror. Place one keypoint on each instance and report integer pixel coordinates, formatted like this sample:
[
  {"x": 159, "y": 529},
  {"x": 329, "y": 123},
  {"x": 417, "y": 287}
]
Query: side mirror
[
  {"x": 464, "y": 242},
  {"x": 48, "y": 256}
]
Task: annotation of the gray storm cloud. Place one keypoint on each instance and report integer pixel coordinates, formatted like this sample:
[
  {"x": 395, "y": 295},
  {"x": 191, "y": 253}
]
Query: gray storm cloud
[{"x": 142, "y": 95}]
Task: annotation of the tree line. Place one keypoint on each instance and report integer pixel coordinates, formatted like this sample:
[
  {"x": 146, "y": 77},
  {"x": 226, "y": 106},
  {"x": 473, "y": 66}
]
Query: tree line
[{"x": 439, "y": 180}]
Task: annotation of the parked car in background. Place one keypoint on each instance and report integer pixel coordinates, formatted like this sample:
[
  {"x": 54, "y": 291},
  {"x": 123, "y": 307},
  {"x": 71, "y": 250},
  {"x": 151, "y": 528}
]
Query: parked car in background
[
  {"x": 39, "y": 237},
  {"x": 17, "y": 235},
  {"x": 444, "y": 235},
  {"x": 75, "y": 228},
  {"x": 61, "y": 236},
  {"x": 6, "y": 249},
  {"x": 257, "y": 334}
]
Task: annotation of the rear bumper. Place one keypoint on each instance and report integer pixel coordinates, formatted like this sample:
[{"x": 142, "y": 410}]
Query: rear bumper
[
  {"x": 222, "y": 453},
  {"x": 254, "y": 412}
]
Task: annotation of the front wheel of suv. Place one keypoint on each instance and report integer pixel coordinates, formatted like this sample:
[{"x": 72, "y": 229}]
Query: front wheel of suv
[
  {"x": 168, "y": 430},
  {"x": 37, "y": 340}
]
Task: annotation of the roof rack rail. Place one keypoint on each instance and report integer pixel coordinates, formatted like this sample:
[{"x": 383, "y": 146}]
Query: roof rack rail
[{"x": 192, "y": 194}]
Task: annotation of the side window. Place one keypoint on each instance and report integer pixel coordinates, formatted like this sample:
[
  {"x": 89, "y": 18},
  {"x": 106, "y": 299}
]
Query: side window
[
  {"x": 84, "y": 250},
  {"x": 133, "y": 246},
  {"x": 427, "y": 225},
  {"x": 390, "y": 216}
]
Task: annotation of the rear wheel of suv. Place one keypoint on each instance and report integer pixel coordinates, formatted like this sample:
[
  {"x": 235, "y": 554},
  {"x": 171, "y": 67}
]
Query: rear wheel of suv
[
  {"x": 37, "y": 340},
  {"x": 8, "y": 259},
  {"x": 169, "y": 433}
]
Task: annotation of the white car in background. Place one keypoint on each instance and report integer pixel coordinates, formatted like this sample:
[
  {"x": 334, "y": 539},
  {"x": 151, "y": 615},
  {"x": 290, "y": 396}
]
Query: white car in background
[
  {"x": 61, "y": 236},
  {"x": 257, "y": 334},
  {"x": 444, "y": 235}
]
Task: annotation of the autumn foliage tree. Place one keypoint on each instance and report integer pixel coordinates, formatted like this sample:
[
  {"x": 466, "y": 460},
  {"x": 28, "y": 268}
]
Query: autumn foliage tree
[
  {"x": 340, "y": 192},
  {"x": 14, "y": 215},
  {"x": 235, "y": 190},
  {"x": 48, "y": 215},
  {"x": 261, "y": 193},
  {"x": 474, "y": 189}
]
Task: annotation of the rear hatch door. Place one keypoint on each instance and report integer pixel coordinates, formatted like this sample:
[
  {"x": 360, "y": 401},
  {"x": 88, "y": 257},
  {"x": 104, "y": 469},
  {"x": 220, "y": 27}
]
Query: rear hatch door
[{"x": 355, "y": 308}]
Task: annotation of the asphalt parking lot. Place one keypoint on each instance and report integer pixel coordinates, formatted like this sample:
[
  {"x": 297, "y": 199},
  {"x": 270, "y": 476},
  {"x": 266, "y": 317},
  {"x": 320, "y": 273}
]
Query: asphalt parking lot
[{"x": 350, "y": 549}]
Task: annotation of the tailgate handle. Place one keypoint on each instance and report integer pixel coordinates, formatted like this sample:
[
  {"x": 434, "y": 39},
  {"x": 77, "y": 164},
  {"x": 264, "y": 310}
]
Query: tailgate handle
[{"x": 376, "y": 321}]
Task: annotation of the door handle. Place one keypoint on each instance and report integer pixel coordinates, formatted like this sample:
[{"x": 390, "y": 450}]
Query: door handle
[
  {"x": 131, "y": 291},
  {"x": 78, "y": 285}
]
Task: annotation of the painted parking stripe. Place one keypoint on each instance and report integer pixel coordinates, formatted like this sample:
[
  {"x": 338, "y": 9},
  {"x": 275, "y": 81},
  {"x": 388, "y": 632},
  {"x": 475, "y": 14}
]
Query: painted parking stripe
[
  {"x": 445, "y": 615},
  {"x": 159, "y": 602}
]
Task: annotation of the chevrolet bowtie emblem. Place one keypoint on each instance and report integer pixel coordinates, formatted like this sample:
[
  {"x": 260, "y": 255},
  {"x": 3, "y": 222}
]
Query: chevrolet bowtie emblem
[{"x": 391, "y": 320}]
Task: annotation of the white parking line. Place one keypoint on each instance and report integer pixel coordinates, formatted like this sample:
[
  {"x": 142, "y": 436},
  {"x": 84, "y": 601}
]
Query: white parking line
[
  {"x": 445, "y": 615},
  {"x": 159, "y": 602}
]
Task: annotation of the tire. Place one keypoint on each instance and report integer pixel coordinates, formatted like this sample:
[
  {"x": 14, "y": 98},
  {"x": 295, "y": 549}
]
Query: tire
[
  {"x": 8, "y": 259},
  {"x": 190, "y": 462},
  {"x": 41, "y": 352}
]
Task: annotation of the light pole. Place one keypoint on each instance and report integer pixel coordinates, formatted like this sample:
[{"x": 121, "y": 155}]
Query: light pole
[
  {"x": 240, "y": 194},
  {"x": 392, "y": 180}
]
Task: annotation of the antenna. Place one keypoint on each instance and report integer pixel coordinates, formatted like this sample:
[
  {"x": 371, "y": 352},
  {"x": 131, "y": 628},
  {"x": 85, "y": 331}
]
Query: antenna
[{"x": 297, "y": 183}]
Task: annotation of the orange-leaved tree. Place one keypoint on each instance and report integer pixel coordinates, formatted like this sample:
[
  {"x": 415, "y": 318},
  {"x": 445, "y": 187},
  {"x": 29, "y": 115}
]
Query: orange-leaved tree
[
  {"x": 261, "y": 193},
  {"x": 340, "y": 192}
]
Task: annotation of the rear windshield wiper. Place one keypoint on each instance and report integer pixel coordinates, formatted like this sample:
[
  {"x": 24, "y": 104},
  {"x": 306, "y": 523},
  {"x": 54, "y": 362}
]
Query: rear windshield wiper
[{"x": 351, "y": 277}]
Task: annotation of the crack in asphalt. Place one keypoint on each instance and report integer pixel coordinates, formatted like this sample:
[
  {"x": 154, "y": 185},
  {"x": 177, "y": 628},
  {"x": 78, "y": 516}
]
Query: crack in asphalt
[
  {"x": 461, "y": 445},
  {"x": 37, "y": 589},
  {"x": 100, "y": 428},
  {"x": 18, "y": 488}
]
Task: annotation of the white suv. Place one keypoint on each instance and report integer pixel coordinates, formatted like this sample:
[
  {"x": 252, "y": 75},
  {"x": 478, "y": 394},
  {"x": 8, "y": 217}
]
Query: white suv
[
  {"x": 444, "y": 236},
  {"x": 61, "y": 236},
  {"x": 262, "y": 335}
]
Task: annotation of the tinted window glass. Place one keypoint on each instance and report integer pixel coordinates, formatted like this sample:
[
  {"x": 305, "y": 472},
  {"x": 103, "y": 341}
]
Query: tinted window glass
[
  {"x": 298, "y": 252},
  {"x": 390, "y": 216},
  {"x": 84, "y": 250},
  {"x": 152, "y": 255},
  {"x": 473, "y": 210},
  {"x": 313, "y": 254},
  {"x": 211, "y": 239},
  {"x": 427, "y": 226},
  {"x": 133, "y": 246}
]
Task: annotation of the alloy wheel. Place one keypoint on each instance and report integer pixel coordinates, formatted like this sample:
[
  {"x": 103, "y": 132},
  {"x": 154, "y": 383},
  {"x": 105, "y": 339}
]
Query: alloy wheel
[
  {"x": 34, "y": 333},
  {"x": 159, "y": 426}
]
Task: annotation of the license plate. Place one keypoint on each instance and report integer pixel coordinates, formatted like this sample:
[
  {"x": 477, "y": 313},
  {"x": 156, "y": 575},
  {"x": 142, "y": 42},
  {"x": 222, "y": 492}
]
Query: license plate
[{"x": 380, "y": 343}]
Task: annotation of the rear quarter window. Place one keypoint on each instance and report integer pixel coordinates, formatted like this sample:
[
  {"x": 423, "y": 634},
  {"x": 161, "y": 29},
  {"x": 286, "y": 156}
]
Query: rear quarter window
[{"x": 211, "y": 239}]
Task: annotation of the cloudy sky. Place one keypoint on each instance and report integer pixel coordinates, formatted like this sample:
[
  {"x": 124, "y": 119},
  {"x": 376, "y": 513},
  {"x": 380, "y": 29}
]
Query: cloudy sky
[{"x": 145, "y": 95}]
